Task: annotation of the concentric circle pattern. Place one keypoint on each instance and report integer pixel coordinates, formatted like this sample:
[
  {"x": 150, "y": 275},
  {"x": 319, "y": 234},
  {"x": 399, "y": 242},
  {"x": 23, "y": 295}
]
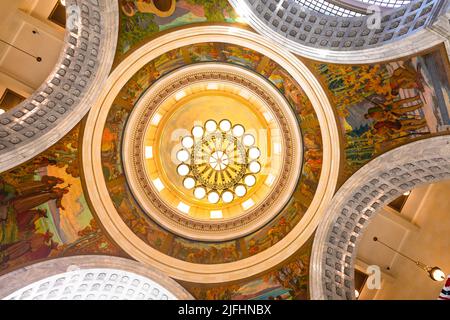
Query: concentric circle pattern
[
  {"x": 177, "y": 88},
  {"x": 225, "y": 148},
  {"x": 221, "y": 160}
]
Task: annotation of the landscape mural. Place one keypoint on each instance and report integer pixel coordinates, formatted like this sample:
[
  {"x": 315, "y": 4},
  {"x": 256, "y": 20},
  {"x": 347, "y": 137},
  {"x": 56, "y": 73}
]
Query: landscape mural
[
  {"x": 382, "y": 106},
  {"x": 154, "y": 234},
  {"x": 43, "y": 209},
  {"x": 286, "y": 282},
  {"x": 138, "y": 19}
]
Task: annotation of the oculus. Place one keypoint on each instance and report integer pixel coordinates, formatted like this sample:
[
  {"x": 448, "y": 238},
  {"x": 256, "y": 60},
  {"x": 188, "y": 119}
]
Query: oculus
[{"x": 212, "y": 152}]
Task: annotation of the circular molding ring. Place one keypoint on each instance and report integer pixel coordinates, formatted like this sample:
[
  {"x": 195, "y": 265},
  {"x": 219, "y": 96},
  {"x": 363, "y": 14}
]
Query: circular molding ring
[
  {"x": 169, "y": 217},
  {"x": 130, "y": 242}
]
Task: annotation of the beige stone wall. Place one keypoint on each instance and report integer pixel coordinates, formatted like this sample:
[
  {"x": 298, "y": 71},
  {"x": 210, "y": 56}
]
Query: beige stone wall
[{"x": 430, "y": 244}]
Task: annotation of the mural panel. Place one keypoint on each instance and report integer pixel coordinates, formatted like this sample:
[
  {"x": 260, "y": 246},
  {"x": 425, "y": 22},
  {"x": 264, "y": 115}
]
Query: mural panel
[
  {"x": 210, "y": 252},
  {"x": 287, "y": 282},
  {"x": 43, "y": 210},
  {"x": 139, "y": 19},
  {"x": 385, "y": 105}
]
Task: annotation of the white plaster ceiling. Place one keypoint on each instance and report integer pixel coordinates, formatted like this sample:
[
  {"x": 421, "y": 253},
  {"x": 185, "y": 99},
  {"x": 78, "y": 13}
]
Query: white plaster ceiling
[{"x": 18, "y": 19}]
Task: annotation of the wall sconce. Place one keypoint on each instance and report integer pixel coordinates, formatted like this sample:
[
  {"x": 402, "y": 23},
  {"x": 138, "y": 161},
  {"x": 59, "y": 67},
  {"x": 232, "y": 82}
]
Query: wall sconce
[{"x": 434, "y": 273}]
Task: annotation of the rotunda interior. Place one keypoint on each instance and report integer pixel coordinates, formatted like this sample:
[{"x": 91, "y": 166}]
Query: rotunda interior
[{"x": 224, "y": 149}]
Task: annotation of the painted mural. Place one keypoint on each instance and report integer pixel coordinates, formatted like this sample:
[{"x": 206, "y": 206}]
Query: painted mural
[
  {"x": 155, "y": 235},
  {"x": 139, "y": 19},
  {"x": 382, "y": 106},
  {"x": 287, "y": 282},
  {"x": 43, "y": 210}
]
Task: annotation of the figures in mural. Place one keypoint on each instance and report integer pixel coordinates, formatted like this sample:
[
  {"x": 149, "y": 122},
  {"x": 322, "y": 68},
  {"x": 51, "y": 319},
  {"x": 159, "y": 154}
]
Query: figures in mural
[
  {"x": 406, "y": 77},
  {"x": 192, "y": 252},
  {"x": 37, "y": 246},
  {"x": 384, "y": 105},
  {"x": 30, "y": 201},
  {"x": 20, "y": 238},
  {"x": 26, "y": 221},
  {"x": 391, "y": 116},
  {"x": 42, "y": 208}
]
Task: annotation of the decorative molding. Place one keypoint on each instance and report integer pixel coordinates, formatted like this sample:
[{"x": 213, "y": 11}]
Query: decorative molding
[
  {"x": 89, "y": 277},
  {"x": 70, "y": 90},
  {"x": 148, "y": 197},
  {"x": 224, "y": 272},
  {"x": 359, "y": 199}
]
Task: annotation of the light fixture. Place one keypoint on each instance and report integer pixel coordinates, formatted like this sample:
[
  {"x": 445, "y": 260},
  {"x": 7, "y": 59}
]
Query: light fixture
[
  {"x": 197, "y": 132},
  {"x": 434, "y": 273},
  {"x": 225, "y": 125},
  {"x": 187, "y": 142},
  {"x": 183, "y": 170},
  {"x": 183, "y": 207},
  {"x": 212, "y": 86},
  {"x": 254, "y": 153},
  {"x": 356, "y": 294},
  {"x": 199, "y": 193},
  {"x": 248, "y": 140},
  {"x": 210, "y": 125},
  {"x": 180, "y": 95},
  {"x": 213, "y": 197},
  {"x": 227, "y": 196},
  {"x": 189, "y": 183},
  {"x": 250, "y": 180},
  {"x": 407, "y": 193},
  {"x": 148, "y": 149},
  {"x": 219, "y": 161},
  {"x": 38, "y": 59},
  {"x": 2, "y": 111},
  {"x": 240, "y": 190},
  {"x": 155, "y": 119},
  {"x": 254, "y": 167},
  {"x": 238, "y": 130},
  {"x": 183, "y": 155},
  {"x": 248, "y": 204}
]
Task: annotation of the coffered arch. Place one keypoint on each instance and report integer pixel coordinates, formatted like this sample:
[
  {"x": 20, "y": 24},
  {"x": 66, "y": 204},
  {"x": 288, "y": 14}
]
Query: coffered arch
[
  {"x": 67, "y": 94},
  {"x": 358, "y": 201},
  {"x": 327, "y": 32},
  {"x": 89, "y": 277}
]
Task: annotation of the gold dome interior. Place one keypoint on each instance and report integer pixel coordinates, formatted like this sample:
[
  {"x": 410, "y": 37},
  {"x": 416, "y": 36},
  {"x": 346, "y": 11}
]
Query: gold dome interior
[{"x": 195, "y": 105}]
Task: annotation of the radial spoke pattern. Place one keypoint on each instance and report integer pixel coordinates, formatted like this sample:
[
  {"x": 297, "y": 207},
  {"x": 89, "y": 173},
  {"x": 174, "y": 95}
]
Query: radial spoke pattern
[{"x": 219, "y": 161}]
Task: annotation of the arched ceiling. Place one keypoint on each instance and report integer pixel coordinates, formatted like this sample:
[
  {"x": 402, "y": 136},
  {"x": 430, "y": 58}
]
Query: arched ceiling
[{"x": 126, "y": 180}]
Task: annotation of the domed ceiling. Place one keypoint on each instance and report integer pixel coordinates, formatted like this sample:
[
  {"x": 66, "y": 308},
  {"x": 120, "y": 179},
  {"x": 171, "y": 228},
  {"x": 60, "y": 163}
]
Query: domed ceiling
[{"x": 212, "y": 152}]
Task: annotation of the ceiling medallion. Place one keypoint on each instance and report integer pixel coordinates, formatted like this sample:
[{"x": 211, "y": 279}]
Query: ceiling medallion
[
  {"x": 212, "y": 152},
  {"x": 219, "y": 161}
]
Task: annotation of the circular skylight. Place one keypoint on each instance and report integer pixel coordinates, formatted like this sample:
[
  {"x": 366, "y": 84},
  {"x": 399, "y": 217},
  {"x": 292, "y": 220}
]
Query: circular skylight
[{"x": 347, "y": 8}]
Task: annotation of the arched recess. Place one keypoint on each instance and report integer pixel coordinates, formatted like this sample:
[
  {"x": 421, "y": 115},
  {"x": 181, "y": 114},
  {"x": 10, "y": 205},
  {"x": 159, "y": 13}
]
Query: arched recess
[
  {"x": 359, "y": 199},
  {"x": 89, "y": 277},
  {"x": 302, "y": 29},
  {"x": 70, "y": 89}
]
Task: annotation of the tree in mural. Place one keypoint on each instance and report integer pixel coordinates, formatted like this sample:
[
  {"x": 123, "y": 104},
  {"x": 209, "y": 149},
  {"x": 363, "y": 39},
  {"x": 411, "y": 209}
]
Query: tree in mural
[{"x": 214, "y": 10}]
